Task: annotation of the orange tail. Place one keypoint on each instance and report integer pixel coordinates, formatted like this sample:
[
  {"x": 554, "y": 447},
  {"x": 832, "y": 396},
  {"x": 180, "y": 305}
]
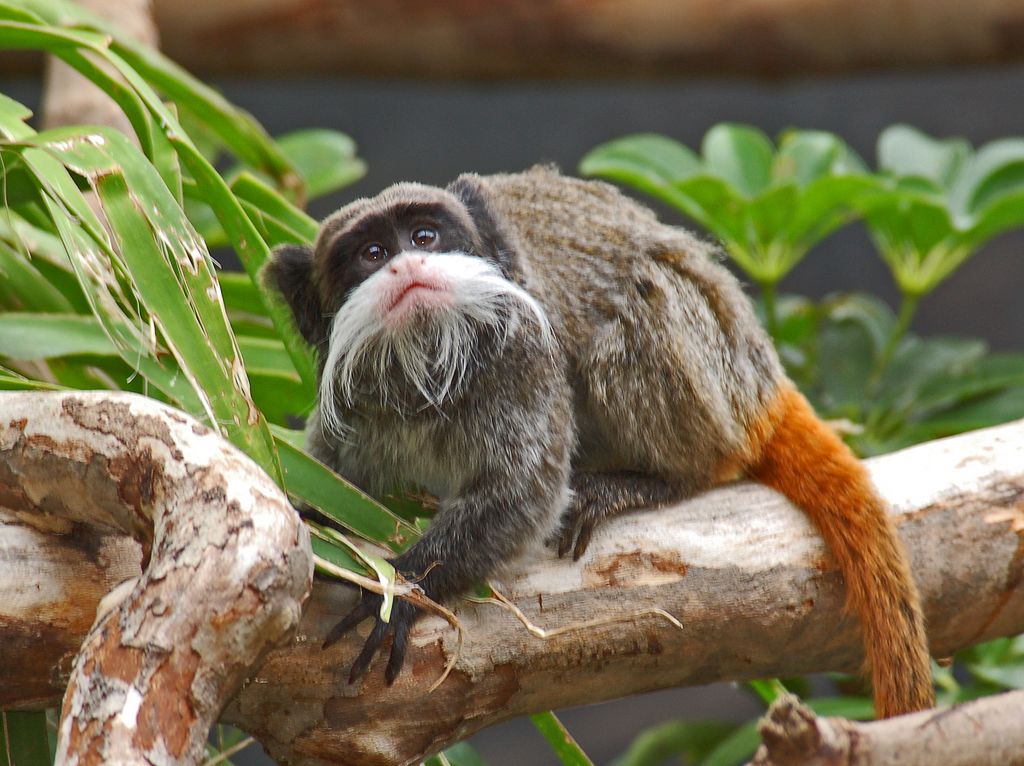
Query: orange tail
[{"x": 799, "y": 456}]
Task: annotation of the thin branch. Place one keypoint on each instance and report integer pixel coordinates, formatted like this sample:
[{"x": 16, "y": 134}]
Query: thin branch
[{"x": 984, "y": 732}]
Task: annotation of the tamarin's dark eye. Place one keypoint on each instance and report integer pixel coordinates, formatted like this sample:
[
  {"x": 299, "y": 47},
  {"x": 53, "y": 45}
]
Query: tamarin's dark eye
[
  {"x": 424, "y": 237},
  {"x": 374, "y": 252}
]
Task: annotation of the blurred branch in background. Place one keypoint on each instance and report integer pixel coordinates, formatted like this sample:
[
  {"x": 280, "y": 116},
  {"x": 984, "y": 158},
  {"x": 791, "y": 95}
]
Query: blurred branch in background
[
  {"x": 70, "y": 98},
  {"x": 537, "y": 38}
]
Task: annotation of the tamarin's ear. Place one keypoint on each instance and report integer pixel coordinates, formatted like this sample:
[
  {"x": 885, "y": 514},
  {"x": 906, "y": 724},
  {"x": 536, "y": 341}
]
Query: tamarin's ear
[
  {"x": 289, "y": 270},
  {"x": 470, "y": 191}
]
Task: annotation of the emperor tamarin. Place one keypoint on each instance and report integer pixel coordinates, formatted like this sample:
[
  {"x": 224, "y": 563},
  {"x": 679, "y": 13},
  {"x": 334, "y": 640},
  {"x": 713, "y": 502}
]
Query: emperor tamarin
[{"x": 540, "y": 353}]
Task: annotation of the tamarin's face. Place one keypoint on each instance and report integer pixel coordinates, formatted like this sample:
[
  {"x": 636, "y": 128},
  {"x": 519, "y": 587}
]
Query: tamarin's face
[{"x": 402, "y": 284}]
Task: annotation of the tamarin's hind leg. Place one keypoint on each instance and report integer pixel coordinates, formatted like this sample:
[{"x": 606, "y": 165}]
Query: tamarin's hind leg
[{"x": 601, "y": 495}]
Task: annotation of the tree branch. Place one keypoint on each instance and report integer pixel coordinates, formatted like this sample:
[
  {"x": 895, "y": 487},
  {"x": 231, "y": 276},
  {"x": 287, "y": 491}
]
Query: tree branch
[
  {"x": 985, "y": 732},
  {"x": 227, "y": 565},
  {"x": 748, "y": 579},
  {"x": 751, "y": 585}
]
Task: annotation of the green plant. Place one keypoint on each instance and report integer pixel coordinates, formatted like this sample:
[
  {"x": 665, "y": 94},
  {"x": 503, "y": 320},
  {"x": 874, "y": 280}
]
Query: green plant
[
  {"x": 939, "y": 202},
  {"x": 767, "y": 205}
]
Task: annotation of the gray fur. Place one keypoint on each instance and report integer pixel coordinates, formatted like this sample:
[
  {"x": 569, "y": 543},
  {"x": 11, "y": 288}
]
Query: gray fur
[{"x": 657, "y": 370}]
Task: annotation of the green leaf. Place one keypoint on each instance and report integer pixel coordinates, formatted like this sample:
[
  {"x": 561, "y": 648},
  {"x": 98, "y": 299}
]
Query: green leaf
[
  {"x": 906, "y": 151},
  {"x": 236, "y": 128},
  {"x": 741, "y": 155},
  {"x": 1000, "y": 407},
  {"x": 995, "y": 171},
  {"x": 326, "y": 159},
  {"x": 23, "y": 287},
  {"x": 768, "y": 689},
  {"x": 656, "y": 158},
  {"x": 280, "y": 396},
  {"x": 138, "y": 99},
  {"x": 987, "y": 375},
  {"x": 24, "y": 738},
  {"x": 854, "y": 708},
  {"x": 313, "y": 483},
  {"x": 736, "y": 748},
  {"x": 712, "y": 202},
  {"x": 691, "y": 740},
  {"x": 771, "y": 211},
  {"x": 806, "y": 156},
  {"x": 267, "y": 354},
  {"x": 854, "y": 332},
  {"x": 362, "y": 559},
  {"x": 826, "y": 204},
  {"x": 43, "y": 336},
  {"x": 919, "y": 363},
  {"x": 1007, "y": 676},
  {"x": 338, "y": 556},
  {"x": 568, "y": 752},
  {"x": 12, "y": 381},
  {"x": 767, "y": 209},
  {"x": 460, "y": 754},
  {"x": 298, "y": 226},
  {"x": 1002, "y": 214},
  {"x": 240, "y": 294}
]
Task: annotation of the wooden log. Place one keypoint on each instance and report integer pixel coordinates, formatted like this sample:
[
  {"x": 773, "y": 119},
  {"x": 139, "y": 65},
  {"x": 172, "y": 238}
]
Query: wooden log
[
  {"x": 733, "y": 584},
  {"x": 226, "y": 567}
]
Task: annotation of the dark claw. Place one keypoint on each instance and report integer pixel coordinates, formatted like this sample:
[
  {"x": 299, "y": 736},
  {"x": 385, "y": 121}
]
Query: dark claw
[
  {"x": 403, "y": 614},
  {"x": 397, "y": 657},
  {"x": 568, "y": 534},
  {"x": 577, "y": 528},
  {"x": 380, "y": 629},
  {"x": 361, "y": 611},
  {"x": 583, "y": 538}
]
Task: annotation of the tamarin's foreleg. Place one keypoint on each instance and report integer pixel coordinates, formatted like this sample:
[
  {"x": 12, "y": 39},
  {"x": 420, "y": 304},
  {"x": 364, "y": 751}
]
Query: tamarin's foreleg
[{"x": 600, "y": 495}]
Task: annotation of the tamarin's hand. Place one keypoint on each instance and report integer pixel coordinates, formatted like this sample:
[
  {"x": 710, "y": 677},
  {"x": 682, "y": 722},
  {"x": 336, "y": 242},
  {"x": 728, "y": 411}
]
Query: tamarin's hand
[
  {"x": 403, "y": 614},
  {"x": 528, "y": 345}
]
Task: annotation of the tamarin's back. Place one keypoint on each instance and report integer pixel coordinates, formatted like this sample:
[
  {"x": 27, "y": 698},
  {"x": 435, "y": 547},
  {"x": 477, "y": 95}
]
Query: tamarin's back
[{"x": 625, "y": 293}]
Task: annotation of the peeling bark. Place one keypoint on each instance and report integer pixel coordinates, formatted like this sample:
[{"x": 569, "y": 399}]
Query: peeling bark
[
  {"x": 985, "y": 732},
  {"x": 751, "y": 585},
  {"x": 226, "y": 566}
]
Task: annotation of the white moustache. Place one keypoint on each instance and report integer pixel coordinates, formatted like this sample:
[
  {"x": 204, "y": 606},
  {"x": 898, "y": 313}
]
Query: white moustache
[{"x": 432, "y": 338}]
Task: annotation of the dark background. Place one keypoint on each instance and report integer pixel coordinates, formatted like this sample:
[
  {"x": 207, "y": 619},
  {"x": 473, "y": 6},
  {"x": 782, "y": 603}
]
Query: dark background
[{"x": 431, "y": 133}]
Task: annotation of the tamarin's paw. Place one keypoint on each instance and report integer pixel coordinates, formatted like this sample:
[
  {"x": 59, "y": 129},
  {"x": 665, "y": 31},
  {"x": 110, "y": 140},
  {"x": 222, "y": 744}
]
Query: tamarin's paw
[
  {"x": 578, "y": 524},
  {"x": 403, "y": 615}
]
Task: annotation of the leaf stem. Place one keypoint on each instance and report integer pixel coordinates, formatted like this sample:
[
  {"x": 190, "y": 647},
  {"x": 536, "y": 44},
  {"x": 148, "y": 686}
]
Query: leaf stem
[
  {"x": 908, "y": 307},
  {"x": 560, "y": 740},
  {"x": 768, "y": 296}
]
